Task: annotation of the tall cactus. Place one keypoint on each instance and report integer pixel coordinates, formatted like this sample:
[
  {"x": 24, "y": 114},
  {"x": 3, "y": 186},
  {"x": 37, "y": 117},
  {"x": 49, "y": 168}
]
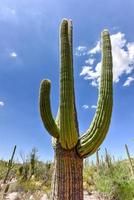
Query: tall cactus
[
  {"x": 70, "y": 147},
  {"x": 130, "y": 161},
  {"x": 10, "y": 165}
]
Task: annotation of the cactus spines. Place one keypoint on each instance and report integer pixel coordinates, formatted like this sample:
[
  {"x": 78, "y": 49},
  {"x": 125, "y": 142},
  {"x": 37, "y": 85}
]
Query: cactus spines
[{"x": 69, "y": 146}]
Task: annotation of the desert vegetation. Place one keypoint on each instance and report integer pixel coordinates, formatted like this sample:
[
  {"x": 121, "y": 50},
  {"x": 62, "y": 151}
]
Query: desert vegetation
[{"x": 103, "y": 178}]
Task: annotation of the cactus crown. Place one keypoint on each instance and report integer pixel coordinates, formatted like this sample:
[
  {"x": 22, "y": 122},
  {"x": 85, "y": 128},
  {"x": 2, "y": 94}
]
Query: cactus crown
[{"x": 65, "y": 127}]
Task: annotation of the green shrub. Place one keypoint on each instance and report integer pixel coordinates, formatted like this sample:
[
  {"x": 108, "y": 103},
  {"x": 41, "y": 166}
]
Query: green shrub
[{"x": 115, "y": 181}]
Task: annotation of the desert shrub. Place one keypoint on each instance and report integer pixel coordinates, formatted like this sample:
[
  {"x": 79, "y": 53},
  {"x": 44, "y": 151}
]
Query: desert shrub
[
  {"x": 3, "y": 166},
  {"x": 115, "y": 181},
  {"x": 26, "y": 186},
  {"x": 88, "y": 180}
]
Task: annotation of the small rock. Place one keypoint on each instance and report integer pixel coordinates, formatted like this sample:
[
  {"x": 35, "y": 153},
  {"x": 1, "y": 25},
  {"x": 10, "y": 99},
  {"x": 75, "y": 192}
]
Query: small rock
[
  {"x": 12, "y": 196},
  {"x": 31, "y": 197},
  {"x": 44, "y": 197}
]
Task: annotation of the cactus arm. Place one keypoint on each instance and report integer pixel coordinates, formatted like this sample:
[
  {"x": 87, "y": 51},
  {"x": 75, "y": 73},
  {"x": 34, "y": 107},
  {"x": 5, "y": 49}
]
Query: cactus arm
[
  {"x": 94, "y": 136},
  {"x": 68, "y": 128},
  {"x": 70, "y": 33},
  {"x": 45, "y": 109}
]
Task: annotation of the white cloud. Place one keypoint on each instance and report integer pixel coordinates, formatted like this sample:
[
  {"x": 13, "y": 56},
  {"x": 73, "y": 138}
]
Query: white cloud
[
  {"x": 81, "y": 51},
  {"x": 123, "y": 60},
  {"x": 96, "y": 49},
  {"x": 90, "y": 74},
  {"x": 85, "y": 106},
  {"x": 90, "y": 61},
  {"x": 94, "y": 106},
  {"x": 130, "y": 47},
  {"x": 128, "y": 81},
  {"x": 13, "y": 54},
  {"x": 1, "y": 104}
]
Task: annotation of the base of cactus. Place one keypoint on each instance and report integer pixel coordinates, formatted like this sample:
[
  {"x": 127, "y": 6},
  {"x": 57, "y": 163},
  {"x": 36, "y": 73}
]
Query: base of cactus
[{"x": 67, "y": 183}]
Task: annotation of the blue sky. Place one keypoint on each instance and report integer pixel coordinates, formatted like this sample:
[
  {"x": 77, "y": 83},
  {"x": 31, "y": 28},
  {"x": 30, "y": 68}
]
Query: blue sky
[{"x": 29, "y": 52}]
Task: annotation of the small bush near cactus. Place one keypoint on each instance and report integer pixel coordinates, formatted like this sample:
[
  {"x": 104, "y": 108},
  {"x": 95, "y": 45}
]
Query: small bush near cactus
[{"x": 115, "y": 181}]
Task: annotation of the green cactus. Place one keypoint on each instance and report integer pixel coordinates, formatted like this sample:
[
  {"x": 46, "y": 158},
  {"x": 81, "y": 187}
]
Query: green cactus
[
  {"x": 70, "y": 146},
  {"x": 10, "y": 165},
  {"x": 108, "y": 159},
  {"x": 130, "y": 161},
  {"x": 97, "y": 160}
]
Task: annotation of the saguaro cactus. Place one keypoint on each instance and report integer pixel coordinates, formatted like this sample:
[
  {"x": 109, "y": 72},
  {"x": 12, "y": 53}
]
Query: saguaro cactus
[
  {"x": 97, "y": 160},
  {"x": 70, "y": 147},
  {"x": 130, "y": 161},
  {"x": 10, "y": 165}
]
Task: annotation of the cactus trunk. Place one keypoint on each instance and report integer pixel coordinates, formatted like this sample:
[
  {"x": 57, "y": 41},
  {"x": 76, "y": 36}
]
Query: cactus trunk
[{"x": 67, "y": 181}]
